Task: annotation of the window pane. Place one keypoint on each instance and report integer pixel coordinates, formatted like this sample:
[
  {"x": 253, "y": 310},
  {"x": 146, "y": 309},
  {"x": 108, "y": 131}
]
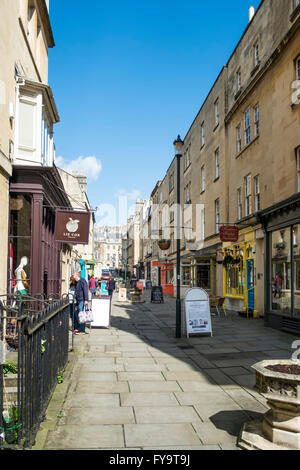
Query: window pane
[
  {"x": 26, "y": 125},
  {"x": 281, "y": 271},
  {"x": 20, "y": 215}
]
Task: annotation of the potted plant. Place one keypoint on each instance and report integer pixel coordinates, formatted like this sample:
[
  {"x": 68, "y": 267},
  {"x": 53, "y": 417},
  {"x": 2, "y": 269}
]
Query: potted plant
[{"x": 164, "y": 244}]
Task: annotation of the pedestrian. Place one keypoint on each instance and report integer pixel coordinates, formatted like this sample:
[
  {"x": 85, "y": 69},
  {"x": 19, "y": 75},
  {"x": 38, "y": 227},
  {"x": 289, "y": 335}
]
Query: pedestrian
[
  {"x": 82, "y": 300},
  {"x": 92, "y": 285},
  {"x": 278, "y": 286},
  {"x": 71, "y": 294},
  {"x": 111, "y": 285}
]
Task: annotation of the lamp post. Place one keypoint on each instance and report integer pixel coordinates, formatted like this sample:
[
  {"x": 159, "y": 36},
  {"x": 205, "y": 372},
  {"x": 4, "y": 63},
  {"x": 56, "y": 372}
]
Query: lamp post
[{"x": 178, "y": 144}]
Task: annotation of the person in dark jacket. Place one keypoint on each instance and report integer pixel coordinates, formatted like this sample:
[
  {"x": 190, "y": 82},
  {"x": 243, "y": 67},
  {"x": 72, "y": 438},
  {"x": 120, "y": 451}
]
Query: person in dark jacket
[
  {"x": 111, "y": 285},
  {"x": 82, "y": 299}
]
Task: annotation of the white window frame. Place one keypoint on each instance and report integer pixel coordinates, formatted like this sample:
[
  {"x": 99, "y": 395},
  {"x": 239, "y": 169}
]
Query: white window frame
[
  {"x": 217, "y": 215},
  {"x": 202, "y": 179},
  {"x": 256, "y": 54},
  {"x": 202, "y": 134},
  {"x": 239, "y": 80},
  {"x": 248, "y": 195},
  {"x": 247, "y": 126},
  {"x": 217, "y": 162},
  {"x": 256, "y": 120},
  {"x": 239, "y": 138},
  {"x": 257, "y": 193},
  {"x": 217, "y": 113},
  {"x": 240, "y": 203}
]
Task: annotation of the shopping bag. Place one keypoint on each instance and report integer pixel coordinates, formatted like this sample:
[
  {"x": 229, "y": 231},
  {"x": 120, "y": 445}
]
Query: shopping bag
[{"x": 86, "y": 316}]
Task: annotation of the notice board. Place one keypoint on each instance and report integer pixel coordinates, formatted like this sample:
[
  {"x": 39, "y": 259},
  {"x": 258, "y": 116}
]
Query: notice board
[{"x": 197, "y": 311}]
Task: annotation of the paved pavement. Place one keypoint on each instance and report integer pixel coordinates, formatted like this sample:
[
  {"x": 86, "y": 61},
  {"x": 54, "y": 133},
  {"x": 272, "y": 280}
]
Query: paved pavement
[{"x": 136, "y": 387}]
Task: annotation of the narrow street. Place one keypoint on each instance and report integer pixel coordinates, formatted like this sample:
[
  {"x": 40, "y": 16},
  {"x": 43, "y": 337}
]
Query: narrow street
[{"x": 136, "y": 387}]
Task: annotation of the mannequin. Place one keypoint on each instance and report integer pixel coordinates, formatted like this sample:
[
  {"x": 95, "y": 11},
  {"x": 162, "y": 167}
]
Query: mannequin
[{"x": 22, "y": 285}]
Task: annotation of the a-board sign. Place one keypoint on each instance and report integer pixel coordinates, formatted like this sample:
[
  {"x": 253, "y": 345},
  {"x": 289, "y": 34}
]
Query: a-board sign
[
  {"x": 197, "y": 311},
  {"x": 148, "y": 285},
  {"x": 101, "y": 313},
  {"x": 122, "y": 294},
  {"x": 157, "y": 295},
  {"x": 140, "y": 285}
]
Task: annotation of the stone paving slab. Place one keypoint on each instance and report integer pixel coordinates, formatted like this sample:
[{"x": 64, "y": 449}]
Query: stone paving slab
[
  {"x": 166, "y": 415},
  {"x": 101, "y": 387},
  {"x": 159, "y": 386},
  {"x": 107, "y": 415},
  {"x": 148, "y": 399},
  {"x": 91, "y": 400},
  {"x": 160, "y": 435},
  {"x": 70, "y": 437}
]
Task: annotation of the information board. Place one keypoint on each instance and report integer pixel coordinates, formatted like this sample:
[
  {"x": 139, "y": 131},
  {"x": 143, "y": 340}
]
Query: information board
[
  {"x": 140, "y": 285},
  {"x": 101, "y": 311},
  {"x": 157, "y": 295},
  {"x": 197, "y": 311},
  {"x": 122, "y": 294}
]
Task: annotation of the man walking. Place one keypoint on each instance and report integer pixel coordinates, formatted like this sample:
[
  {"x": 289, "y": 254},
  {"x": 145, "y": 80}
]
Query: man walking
[
  {"x": 111, "y": 285},
  {"x": 82, "y": 298}
]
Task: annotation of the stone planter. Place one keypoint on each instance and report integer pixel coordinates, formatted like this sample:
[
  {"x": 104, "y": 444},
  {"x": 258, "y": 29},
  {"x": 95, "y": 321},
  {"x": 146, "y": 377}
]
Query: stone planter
[
  {"x": 135, "y": 296},
  {"x": 280, "y": 427}
]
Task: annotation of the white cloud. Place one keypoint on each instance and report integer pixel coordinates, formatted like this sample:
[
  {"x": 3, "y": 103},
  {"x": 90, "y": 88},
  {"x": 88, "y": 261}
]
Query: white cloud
[{"x": 90, "y": 167}]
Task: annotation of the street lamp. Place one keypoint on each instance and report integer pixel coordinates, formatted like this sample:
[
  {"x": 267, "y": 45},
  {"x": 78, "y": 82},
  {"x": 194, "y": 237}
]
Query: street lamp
[{"x": 178, "y": 144}]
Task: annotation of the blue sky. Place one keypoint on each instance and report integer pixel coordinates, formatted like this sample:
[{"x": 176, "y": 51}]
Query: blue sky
[{"x": 127, "y": 78}]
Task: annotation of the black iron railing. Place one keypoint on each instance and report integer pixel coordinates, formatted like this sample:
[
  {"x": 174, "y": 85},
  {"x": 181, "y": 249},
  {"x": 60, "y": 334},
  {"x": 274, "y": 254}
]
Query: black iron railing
[{"x": 42, "y": 328}]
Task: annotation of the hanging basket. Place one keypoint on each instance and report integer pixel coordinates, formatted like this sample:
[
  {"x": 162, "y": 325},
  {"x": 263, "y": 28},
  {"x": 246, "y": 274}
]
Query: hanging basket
[{"x": 164, "y": 244}]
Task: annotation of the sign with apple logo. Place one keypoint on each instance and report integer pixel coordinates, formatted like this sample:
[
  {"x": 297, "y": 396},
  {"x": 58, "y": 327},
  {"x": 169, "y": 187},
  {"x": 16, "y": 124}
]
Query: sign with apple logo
[{"x": 72, "y": 227}]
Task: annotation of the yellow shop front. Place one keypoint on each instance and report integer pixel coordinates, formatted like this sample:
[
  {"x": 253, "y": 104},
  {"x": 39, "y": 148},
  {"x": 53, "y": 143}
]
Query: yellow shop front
[{"x": 240, "y": 278}]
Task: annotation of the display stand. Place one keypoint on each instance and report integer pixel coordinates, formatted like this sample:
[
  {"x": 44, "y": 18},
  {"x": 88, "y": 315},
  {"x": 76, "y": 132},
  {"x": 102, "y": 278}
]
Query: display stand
[{"x": 157, "y": 296}]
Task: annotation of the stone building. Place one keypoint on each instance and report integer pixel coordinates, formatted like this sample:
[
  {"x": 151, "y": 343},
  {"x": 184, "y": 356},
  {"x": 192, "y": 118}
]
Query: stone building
[
  {"x": 108, "y": 249},
  {"x": 29, "y": 179},
  {"x": 241, "y": 166}
]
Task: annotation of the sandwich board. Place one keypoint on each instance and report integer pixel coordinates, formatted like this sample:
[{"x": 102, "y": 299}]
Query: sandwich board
[
  {"x": 101, "y": 309},
  {"x": 197, "y": 311}
]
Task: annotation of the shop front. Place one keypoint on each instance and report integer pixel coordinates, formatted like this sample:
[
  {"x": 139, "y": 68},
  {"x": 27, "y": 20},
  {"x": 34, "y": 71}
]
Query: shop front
[
  {"x": 34, "y": 265},
  {"x": 282, "y": 260},
  {"x": 239, "y": 263}
]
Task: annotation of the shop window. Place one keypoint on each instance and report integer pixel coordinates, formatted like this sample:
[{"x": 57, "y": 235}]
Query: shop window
[
  {"x": 19, "y": 242},
  {"x": 186, "y": 275},
  {"x": 203, "y": 275},
  {"x": 281, "y": 271},
  {"x": 234, "y": 273}
]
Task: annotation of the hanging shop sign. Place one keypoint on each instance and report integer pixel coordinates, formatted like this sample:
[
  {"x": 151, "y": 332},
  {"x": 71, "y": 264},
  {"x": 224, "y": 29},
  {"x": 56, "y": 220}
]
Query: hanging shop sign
[
  {"x": 229, "y": 233},
  {"x": 72, "y": 227}
]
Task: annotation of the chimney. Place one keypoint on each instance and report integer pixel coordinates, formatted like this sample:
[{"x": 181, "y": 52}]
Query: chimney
[{"x": 251, "y": 13}]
